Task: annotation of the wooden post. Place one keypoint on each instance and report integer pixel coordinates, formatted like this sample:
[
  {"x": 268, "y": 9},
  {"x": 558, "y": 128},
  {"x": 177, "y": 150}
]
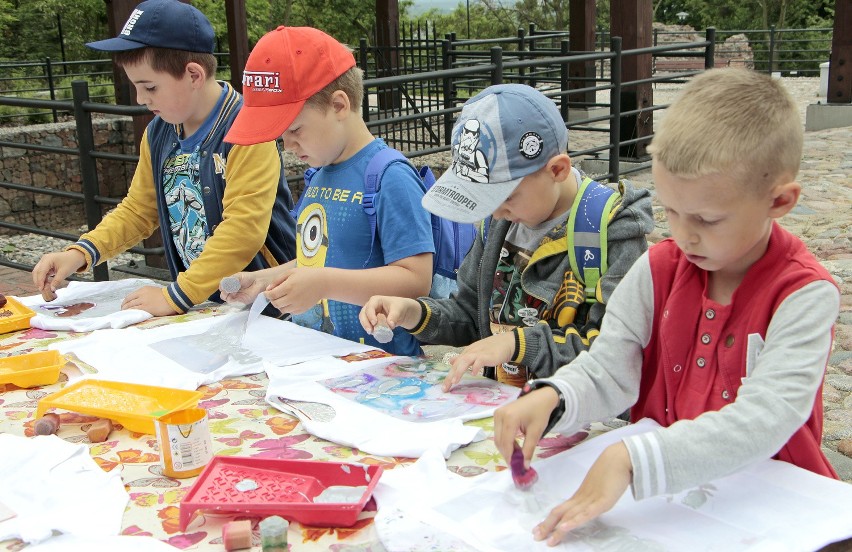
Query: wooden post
[
  {"x": 631, "y": 20},
  {"x": 581, "y": 26},
  {"x": 387, "y": 50},
  {"x": 840, "y": 63},
  {"x": 238, "y": 47}
]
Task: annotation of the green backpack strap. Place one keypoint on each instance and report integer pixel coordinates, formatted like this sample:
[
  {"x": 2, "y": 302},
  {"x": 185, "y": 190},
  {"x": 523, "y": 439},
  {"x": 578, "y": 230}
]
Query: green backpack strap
[{"x": 587, "y": 236}]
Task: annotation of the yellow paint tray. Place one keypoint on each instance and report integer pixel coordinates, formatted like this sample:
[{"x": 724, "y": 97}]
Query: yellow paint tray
[
  {"x": 14, "y": 316},
  {"x": 31, "y": 369},
  {"x": 134, "y": 406}
]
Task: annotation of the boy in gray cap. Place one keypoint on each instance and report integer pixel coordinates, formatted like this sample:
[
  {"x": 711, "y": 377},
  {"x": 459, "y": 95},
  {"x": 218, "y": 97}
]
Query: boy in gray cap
[
  {"x": 220, "y": 208},
  {"x": 522, "y": 306}
]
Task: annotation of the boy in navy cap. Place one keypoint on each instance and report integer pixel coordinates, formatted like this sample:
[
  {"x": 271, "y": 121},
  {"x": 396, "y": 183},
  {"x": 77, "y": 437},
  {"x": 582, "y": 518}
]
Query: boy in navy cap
[
  {"x": 221, "y": 208},
  {"x": 520, "y": 306}
]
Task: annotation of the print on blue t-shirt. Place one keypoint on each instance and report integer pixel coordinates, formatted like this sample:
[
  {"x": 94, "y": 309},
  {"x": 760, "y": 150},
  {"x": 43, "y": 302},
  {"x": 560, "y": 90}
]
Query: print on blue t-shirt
[{"x": 333, "y": 230}]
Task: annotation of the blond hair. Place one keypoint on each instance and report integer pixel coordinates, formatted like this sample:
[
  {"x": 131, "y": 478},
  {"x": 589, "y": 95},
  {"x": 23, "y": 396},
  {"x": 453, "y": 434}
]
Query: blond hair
[
  {"x": 166, "y": 60},
  {"x": 731, "y": 121},
  {"x": 351, "y": 83}
]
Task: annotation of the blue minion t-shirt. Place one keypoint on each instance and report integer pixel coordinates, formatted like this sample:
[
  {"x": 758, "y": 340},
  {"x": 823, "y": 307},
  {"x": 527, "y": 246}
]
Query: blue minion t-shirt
[{"x": 333, "y": 230}]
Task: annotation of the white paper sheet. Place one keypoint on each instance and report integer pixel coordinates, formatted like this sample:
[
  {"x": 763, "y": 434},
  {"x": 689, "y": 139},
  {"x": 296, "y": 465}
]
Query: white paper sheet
[
  {"x": 54, "y": 485},
  {"x": 87, "y": 306},
  {"x": 771, "y": 506},
  {"x": 198, "y": 352},
  {"x": 122, "y": 543},
  {"x": 383, "y": 417}
]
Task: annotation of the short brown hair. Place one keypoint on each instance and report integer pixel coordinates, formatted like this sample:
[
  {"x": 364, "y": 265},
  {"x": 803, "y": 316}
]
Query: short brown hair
[
  {"x": 731, "y": 121},
  {"x": 166, "y": 60},
  {"x": 351, "y": 83}
]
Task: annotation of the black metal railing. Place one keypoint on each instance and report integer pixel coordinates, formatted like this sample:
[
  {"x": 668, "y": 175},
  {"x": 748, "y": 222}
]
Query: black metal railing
[{"x": 413, "y": 112}]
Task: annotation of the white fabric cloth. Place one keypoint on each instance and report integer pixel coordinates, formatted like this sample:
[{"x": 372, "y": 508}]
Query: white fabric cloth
[
  {"x": 54, "y": 485},
  {"x": 198, "y": 352},
  {"x": 387, "y": 428},
  {"x": 101, "y": 301},
  {"x": 124, "y": 543},
  {"x": 771, "y": 505}
]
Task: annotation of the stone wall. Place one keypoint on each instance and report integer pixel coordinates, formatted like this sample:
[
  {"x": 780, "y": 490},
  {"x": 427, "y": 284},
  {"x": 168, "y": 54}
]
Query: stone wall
[
  {"x": 60, "y": 172},
  {"x": 735, "y": 50}
]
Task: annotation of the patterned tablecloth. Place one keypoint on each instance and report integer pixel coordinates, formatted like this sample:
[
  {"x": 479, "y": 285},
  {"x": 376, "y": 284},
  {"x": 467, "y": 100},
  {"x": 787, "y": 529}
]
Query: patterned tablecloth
[{"x": 242, "y": 424}]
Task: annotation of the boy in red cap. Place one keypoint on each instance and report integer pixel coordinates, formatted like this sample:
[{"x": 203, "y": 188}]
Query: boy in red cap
[
  {"x": 220, "y": 208},
  {"x": 303, "y": 85}
]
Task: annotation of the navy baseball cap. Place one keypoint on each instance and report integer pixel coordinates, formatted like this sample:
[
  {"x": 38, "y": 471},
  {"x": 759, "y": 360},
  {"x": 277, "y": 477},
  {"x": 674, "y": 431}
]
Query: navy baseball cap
[
  {"x": 162, "y": 24},
  {"x": 503, "y": 134}
]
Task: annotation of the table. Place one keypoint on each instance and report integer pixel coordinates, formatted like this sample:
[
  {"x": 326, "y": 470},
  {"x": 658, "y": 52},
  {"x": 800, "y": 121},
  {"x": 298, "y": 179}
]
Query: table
[{"x": 242, "y": 424}]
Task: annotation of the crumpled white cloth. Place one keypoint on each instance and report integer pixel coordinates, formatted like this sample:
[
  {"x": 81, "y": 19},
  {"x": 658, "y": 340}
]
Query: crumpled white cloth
[
  {"x": 106, "y": 312},
  {"x": 54, "y": 485},
  {"x": 770, "y": 505},
  {"x": 121, "y": 543},
  {"x": 202, "y": 351},
  {"x": 328, "y": 415}
]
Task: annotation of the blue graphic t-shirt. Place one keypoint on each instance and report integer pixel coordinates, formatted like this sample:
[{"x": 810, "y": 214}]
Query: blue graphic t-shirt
[
  {"x": 183, "y": 189},
  {"x": 333, "y": 230}
]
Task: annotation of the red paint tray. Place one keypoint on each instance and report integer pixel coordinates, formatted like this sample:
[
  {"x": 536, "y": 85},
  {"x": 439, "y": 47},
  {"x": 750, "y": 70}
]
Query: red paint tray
[{"x": 285, "y": 488}]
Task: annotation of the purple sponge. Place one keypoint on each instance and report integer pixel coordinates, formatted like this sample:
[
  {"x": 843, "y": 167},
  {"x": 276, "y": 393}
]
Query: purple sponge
[{"x": 523, "y": 478}]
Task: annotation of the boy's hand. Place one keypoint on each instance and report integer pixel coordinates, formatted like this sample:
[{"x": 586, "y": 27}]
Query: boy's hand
[
  {"x": 150, "y": 299},
  {"x": 528, "y": 415},
  {"x": 295, "y": 290},
  {"x": 394, "y": 311},
  {"x": 491, "y": 351},
  {"x": 251, "y": 285},
  {"x": 606, "y": 481},
  {"x": 51, "y": 270}
]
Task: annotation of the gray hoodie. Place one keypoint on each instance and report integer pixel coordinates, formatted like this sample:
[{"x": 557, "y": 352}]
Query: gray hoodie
[{"x": 464, "y": 317}]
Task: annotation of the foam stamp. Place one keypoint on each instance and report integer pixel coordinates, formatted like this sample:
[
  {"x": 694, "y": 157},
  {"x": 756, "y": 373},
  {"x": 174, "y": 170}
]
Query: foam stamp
[
  {"x": 47, "y": 424},
  {"x": 523, "y": 477},
  {"x": 236, "y": 535},
  {"x": 230, "y": 284},
  {"x": 99, "y": 431},
  {"x": 273, "y": 533},
  {"x": 383, "y": 334}
]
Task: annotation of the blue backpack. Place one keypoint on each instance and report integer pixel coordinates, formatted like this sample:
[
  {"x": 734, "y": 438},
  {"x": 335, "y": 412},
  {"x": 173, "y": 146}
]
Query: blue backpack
[{"x": 452, "y": 239}]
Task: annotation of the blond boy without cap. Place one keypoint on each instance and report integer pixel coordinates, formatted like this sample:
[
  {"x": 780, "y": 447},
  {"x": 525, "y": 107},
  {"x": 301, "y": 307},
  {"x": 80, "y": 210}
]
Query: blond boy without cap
[
  {"x": 220, "y": 208},
  {"x": 721, "y": 333}
]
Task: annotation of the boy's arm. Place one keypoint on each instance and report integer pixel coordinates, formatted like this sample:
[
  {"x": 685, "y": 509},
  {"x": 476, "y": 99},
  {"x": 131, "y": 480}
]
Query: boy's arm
[
  {"x": 251, "y": 174},
  {"x": 455, "y": 320},
  {"x": 604, "y": 381},
  {"x": 771, "y": 405},
  {"x": 133, "y": 220},
  {"x": 543, "y": 348}
]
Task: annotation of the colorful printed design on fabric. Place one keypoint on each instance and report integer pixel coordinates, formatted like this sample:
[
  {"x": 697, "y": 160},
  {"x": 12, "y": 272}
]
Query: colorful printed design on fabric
[
  {"x": 470, "y": 160},
  {"x": 509, "y": 304},
  {"x": 312, "y": 252},
  {"x": 568, "y": 300},
  {"x": 187, "y": 219},
  {"x": 410, "y": 390},
  {"x": 103, "y": 303}
]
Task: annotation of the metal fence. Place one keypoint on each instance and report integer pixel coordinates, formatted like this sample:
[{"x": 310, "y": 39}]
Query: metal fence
[
  {"x": 788, "y": 51},
  {"x": 413, "y": 110}
]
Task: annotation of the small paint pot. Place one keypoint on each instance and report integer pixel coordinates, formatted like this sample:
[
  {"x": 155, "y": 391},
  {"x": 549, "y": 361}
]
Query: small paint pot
[{"x": 185, "y": 444}]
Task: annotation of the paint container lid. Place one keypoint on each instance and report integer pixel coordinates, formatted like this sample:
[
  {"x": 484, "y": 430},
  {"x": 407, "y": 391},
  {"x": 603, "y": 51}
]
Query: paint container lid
[{"x": 286, "y": 488}]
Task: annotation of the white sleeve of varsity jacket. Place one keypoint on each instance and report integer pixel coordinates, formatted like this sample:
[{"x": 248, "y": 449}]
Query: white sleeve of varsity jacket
[
  {"x": 771, "y": 405},
  {"x": 604, "y": 381}
]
